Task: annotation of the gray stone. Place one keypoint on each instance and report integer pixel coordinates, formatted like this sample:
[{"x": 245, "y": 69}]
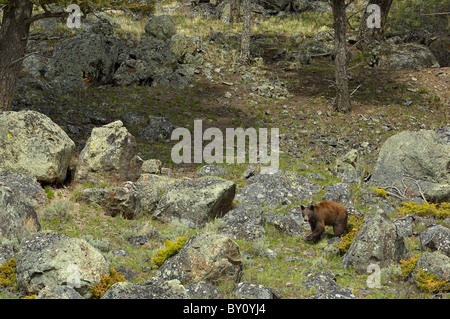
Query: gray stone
[
  {"x": 434, "y": 263},
  {"x": 283, "y": 223},
  {"x": 204, "y": 290},
  {"x": 402, "y": 56},
  {"x": 110, "y": 156},
  {"x": 247, "y": 290},
  {"x": 205, "y": 257},
  {"x": 197, "y": 201},
  {"x": 422, "y": 155},
  {"x": 436, "y": 238},
  {"x": 378, "y": 242},
  {"x": 157, "y": 129},
  {"x": 49, "y": 259},
  {"x": 211, "y": 170},
  {"x": 162, "y": 27},
  {"x": 17, "y": 218},
  {"x": 59, "y": 292},
  {"x": 441, "y": 50},
  {"x": 154, "y": 288},
  {"x": 273, "y": 190},
  {"x": 25, "y": 187},
  {"x": 32, "y": 144}
]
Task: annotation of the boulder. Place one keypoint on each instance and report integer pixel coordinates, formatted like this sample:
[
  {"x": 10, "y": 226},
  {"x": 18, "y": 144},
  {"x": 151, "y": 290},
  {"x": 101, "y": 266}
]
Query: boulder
[
  {"x": 32, "y": 144},
  {"x": 110, "y": 156},
  {"x": 325, "y": 286},
  {"x": 25, "y": 187},
  {"x": 154, "y": 288},
  {"x": 49, "y": 259},
  {"x": 347, "y": 167},
  {"x": 283, "y": 223},
  {"x": 157, "y": 129},
  {"x": 273, "y": 190},
  {"x": 436, "y": 238},
  {"x": 402, "y": 56},
  {"x": 162, "y": 27},
  {"x": 205, "y": 257},
  {"x": 247, "y": 290},
  {"x": 58, "y": 292},
  {"x": 204, "y": 290},
  {"x": 86, "y": 58},
  {"x": 245, "y": 231},
  {"x": 422, "y": 155},
  {"x": 434, "y": 263},
  {"x": 441, "y": 50},
  {"x": 115, "y": 200},
  {"x": 378, "y": 242},
  {"x": 197, "y": 201},
  {"x": 17, "y": 218}
]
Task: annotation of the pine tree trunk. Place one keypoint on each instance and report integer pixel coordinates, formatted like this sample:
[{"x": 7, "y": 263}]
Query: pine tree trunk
[
  {"x": 246, "y": 28},
  {"x": 342, "y": 103},
  {"x": 14, "y": 32},
  {"x": 368, "y": 37},
  {"x": 235, "y": 11}
]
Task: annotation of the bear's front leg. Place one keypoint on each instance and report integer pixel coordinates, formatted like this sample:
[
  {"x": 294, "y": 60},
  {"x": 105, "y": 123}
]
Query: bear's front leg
[{"x": 316, "y": 234}]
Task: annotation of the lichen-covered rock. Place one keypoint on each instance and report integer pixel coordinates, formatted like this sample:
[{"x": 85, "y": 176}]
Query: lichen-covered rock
[
  {"x": 436, "y": 238},
  {"x": 246, "y": 231},
  {"x": 402, "y": 56},
  {"x": 204, "y": 257},
  {"x": 154, "y": 288},
  {"x": 25, "y": 187},
  {"x": 325, "y": 286},
  {"x": 280, "y": 188},
  {"x": 162, "y": 27},
  {"x": 378, "y": 242},
  {"x": 59, "y": 292},
  {"x": 32, "y": 144},
  {"x": 284, "y": 223},
  {"x": 110, "y": 156},
  {"x": 434, "y": 263},
  {"x": 423, "y": 155},
  {"x": 204, "y": 290},
  {"x": 17, "y": 218},
  {"x": 197, "y": 201},
  {"x": 247, "y": 290},
  {"x": 49, "y": 259}
]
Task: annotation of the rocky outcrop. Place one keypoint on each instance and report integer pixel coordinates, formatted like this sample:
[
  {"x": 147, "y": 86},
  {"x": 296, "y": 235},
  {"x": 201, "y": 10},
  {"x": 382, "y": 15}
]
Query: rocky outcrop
[
  {"x": 32, "y": 144},
  {"x": 17, "y": 218},
  {"x": 423, "y": 156},
  {"x": 378, "y": 242},
  {"x": 436, "y": 238},
  {"x": 195, "y": 202},
  {"x": 110, "y": 156},
  {"x": 49, "y": 259},
  {"x": 204, "y": 257}
]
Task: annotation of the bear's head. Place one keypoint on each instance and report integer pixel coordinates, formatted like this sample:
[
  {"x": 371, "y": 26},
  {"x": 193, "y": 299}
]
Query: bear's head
[{"x": 307, "y": 212}]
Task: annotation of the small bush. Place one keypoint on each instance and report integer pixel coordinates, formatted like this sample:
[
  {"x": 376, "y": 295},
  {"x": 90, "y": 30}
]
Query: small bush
[
  {"x": 99, "y": 289},
  {"x": 380, "y": 192},
  {"x": 425, "y": 209},
  {"x": 355, "y": 223},
  {"x": 171, "y": 249},
  {"x": 407, "y": 266},
  {"x": 8, "y": 273},
  {"x": 430, "y": 283}
]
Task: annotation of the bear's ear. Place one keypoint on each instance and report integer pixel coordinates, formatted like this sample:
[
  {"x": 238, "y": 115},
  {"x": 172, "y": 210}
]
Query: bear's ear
[
  {"x": 311, "y": 207},
  {"x": 302, "y": 207}
]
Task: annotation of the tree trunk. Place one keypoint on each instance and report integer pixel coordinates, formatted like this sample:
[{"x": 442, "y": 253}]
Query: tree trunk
[
  {"x": 14, "y": 32},
  {"x": 368, "y": 35},
  {"x": 235, "y": 11},
  {"x": 342, "y": 103},
  {"x": 246, "y": 28}
]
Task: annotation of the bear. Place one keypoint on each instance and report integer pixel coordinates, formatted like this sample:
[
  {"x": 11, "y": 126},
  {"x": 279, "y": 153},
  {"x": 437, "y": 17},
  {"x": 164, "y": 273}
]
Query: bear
[{"x": 325, "y": 213}]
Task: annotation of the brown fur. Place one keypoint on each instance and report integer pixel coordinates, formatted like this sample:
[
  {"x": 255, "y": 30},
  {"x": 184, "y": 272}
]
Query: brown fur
[{"x": 326, "y": 213}]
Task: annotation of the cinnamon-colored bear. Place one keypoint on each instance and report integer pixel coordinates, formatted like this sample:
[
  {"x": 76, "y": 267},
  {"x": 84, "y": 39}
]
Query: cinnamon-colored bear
[{"x": 325, "y": 213}]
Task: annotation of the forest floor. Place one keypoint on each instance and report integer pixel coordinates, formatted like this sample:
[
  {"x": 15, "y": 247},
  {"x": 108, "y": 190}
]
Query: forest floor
[{"x": 384, "y": 102}]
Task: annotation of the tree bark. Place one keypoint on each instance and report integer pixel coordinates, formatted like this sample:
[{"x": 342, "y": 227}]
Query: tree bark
[
  {"x": 14, "y": 32},
  {"x": 342, "y": 103},
  {"x": 370, "y": 37},
  {"x": 235, "y": 11},
  {"x": 246, "y": 28}
]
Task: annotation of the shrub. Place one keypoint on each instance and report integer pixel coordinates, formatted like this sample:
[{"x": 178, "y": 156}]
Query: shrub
[
  {"x": 380, "y": 192},
  {"x": 8, "y": 273},
  {"x": 171, "y": 249},
  {"x": 355, "y": 223},
  {"x": 99, "y": 289},
  {"x": 425, "y": 209},
  {"x": 430, "y": 283},
  {"x": 408, "y": 265}
]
